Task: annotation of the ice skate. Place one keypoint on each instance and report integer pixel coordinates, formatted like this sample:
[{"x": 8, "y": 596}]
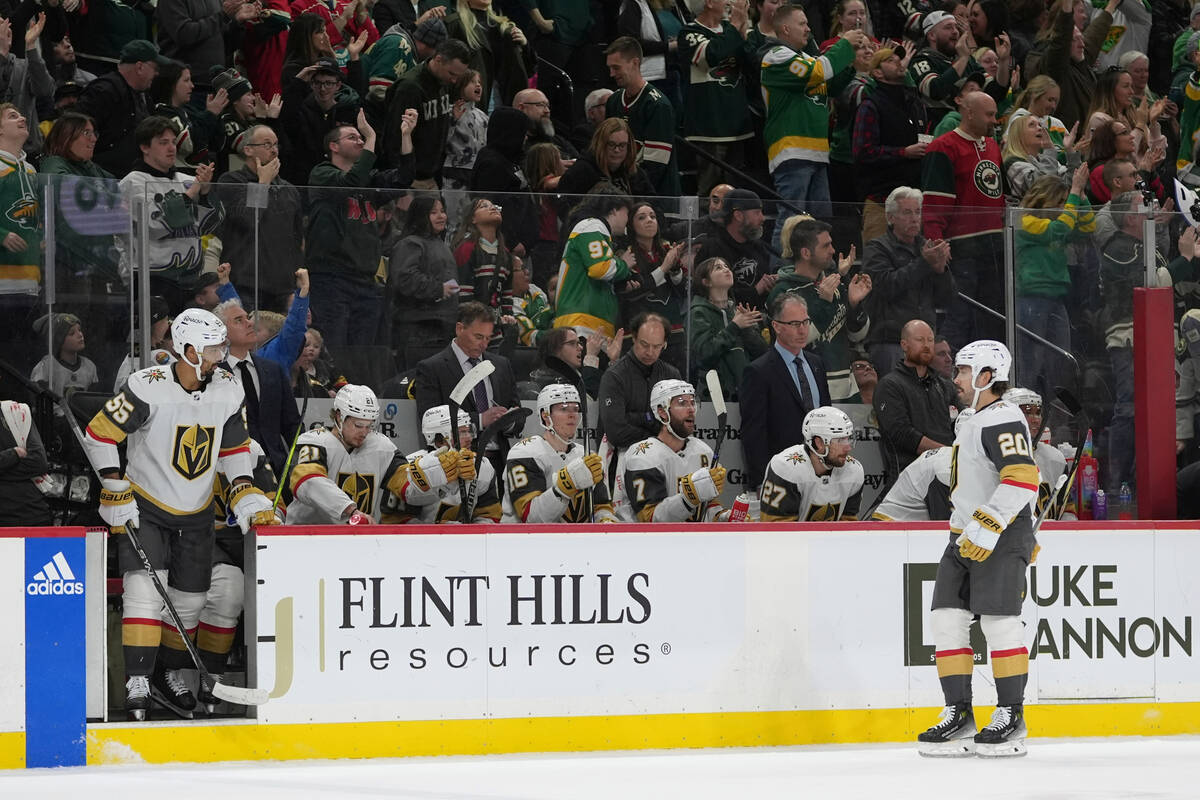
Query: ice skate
[
  {"x": 1004, "y": 736},
  {"x": 137, "y": 697},
  {"x": 207, "y": 699},
  {"x": 169, "y": 690},
  {"x": 952, "y": 736}
]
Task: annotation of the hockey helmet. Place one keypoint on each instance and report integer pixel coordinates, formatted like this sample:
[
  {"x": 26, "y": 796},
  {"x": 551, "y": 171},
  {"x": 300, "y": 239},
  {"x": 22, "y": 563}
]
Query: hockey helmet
[
  {"x": 435, "y": 422},
  {"x": 828, "y": 423},
  {"x": 200, "y": 329},
  {"x": 550, "y": 396},
  {"x": 663, "y": 392},
  {"x": 1020, "y": 396},
  {"x": 355, "y": 400},
  {"x": 984, "y": 354}
]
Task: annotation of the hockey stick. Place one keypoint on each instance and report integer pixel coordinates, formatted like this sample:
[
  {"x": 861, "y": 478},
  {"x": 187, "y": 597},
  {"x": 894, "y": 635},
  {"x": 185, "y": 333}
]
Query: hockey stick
[
  {"x": 713, "y": 381},
  {"x": 292, "y": 450},
  {"x": 243, "y": 696},
  {"x": 459, "y": 393},
  {"x": 486, "y": 437},
  {"x": 1062, "y": 492},
  {"x": 587, "y": 449}
]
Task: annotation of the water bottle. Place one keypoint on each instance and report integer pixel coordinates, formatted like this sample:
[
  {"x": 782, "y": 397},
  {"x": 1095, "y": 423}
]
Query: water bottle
[
  {"x": 1100, "y": 505},
  {"x": 741, "y": 506},
  {"x": 1126, "y": 507}
]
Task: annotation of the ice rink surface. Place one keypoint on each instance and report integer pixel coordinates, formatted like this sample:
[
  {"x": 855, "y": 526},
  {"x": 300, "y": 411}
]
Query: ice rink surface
[{"x": 1127, "y": 768}]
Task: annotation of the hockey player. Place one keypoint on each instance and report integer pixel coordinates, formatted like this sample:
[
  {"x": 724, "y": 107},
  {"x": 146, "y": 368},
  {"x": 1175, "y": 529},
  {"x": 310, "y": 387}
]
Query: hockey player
[
  {"x": 431, "y": 492},
  {"x": 922, "y": 492},
  {"x": 669, "y": 477},
  {"x": 1051, "y": 463},
  {"x": 993, "y": 480},
  {"x": 341, "y": 474},
  {"x": 548, "y": 477},
  {"x": 818, "y": 480},
  {"x": 181, "y": 423}
]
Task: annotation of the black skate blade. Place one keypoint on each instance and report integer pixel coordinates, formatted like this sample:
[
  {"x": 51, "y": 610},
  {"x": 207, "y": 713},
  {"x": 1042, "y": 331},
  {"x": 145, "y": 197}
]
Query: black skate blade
[
  {"x": 161, "y": 700},
  {"x": 1010, "y": 749},
  {"x": 957, "y": 748}
]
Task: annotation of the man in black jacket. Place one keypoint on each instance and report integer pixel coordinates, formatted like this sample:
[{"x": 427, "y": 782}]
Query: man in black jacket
[
  {"x": 427, "y": 89},
  {"x": 117, "y": 102},
  {"x": 257, "y": 199},
  {"x": 498, "y": 175},
  {"x": 909, "y": 277},
  {"x": 625, "y": 416},
  {"x": 739, "y": 243},
  {"x": 912, "y": 404}
]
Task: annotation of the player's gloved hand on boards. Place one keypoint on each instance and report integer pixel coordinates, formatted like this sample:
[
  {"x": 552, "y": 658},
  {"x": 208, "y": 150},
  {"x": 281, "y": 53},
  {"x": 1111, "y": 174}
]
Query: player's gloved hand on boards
[
  {"x": 117, "y": 505},
  {"x": 579, "y": 475},
  {"x": 434, "y": 470},
  {"x": 359, "y": 518},
  {"x": 251, "y": 507},
  {"x": 605, "y": 515},
  {"x": 466, "y": 464},
  {"x": 702, "y": 485},
  {"x": 979, "y": 538}
]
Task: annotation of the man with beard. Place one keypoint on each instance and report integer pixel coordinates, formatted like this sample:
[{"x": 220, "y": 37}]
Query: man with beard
[
  {"x": 534, "y": 105},
  {"x": 63, "y": 67},
  {"x": 835, "y": 300},
  {"x": 946, "y": 58},
  {"x": 670, "y": 477},
  {"x": 648, "y": 112},
  {"x": 738, "y": 242},
  {"x": 912, "y": 403},
  {"x": 943, "y": 357},
  {"x": 816, "y": 480}
]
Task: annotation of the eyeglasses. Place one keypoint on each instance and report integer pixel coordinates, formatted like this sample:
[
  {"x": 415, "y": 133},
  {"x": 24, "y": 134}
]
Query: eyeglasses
[
  {"x": 862, "y": 365},
  {"x": 268, "y": 145},
  {"x": 617, "y": 145},
  {"x": 795, "y": 324},
  {"x": 540, "y": 103},
  {"x": 352, "y": 137},
  {"x": 326, "y": 84}
]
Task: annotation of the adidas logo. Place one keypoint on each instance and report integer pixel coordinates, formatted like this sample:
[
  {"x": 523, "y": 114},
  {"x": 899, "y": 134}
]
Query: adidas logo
[{"x": 56, "y": 577}]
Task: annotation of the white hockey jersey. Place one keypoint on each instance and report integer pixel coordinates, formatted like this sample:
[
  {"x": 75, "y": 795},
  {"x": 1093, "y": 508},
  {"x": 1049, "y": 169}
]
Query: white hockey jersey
[
  {"x": 648, "y": 479},
  {"x": 922, "y": 491},
  {"x": 1052, "y": 464},
  {"x": 176, "y": 438},
  {"x": 992, "y": 464},
  {"x": 529, "y": 476},
  {"x": 327, "y": 479},
  {"x": 792, "y": 492},
  {"x": 443, "y": 503}
]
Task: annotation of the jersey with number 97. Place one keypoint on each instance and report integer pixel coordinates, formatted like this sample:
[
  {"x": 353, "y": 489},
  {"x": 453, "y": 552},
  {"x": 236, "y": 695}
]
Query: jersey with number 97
[{"x": 992, "y": 464}]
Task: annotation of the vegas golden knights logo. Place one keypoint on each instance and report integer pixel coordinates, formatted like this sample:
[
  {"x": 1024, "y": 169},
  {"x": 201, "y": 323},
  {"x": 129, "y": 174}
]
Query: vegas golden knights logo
[
  {"x": 826, "y": 512},
  {"x": 360, "y": 488},
  {"x": 192, "y": 452}
]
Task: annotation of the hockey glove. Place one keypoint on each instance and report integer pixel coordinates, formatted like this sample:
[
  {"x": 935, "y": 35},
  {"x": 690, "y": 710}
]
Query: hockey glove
[
  {"x": 979, "y": 538},
  {"x": 578, "y": 476},
  {"x": 466, "y": 464},
  {"x": 434, "y": 470},
  {"x": 702, "y": 485},
  {"x": 251, "y": 507},
  {"x": 117, "y": 505}
]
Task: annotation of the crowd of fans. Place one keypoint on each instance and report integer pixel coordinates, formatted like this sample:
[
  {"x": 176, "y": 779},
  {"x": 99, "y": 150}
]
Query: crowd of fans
[{"x": 354, "y": 172}]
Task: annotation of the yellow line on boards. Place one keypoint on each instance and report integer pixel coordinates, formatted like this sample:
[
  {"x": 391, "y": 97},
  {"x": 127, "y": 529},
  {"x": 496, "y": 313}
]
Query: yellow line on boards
[
  {"x": 241, "y": 741},
  {"x": 12, "y": 750}
]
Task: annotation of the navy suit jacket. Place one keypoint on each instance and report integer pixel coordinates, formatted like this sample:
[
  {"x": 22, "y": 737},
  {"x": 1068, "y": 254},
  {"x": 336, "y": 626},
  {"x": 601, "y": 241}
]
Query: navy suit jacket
[
  {"x": 772, "y": 409},
  {"x": 274, "y": 420}
]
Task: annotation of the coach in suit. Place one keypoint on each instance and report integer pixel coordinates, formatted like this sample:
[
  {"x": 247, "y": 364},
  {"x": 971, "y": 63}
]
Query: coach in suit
[
  {"x": 779, "y": 388},
  {"x": 271, "y": 414},
  {"x": 437, "y": 375}
]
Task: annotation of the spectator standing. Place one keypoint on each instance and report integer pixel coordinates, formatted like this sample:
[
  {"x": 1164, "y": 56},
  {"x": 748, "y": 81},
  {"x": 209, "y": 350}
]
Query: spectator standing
[
  {"x": 263, "y": 43},
  {"x": 1113, "y": 141},
  {"x": 724, "y": 336},
  {"x": 1040, "y": 99},
  {"x": 468, "y": 137},
  {"x": 22, "y": 462},
  {"x": 945, "y": 59},
  {"x": 485, "y": 264},
  {"x": 308, "y": 42},
  {"x": 100, "y": 30},
  {"x": 263, "y": 271},
  {"x": 408, "y": 14},
  {"x": 544, "y": 170},
  {"x": 739, "y": 243},
  {"x": 343, "y": 247},
  {"x": 835, "y": 300},
  {"x": 309, "y": 114},
  {"x": 422, "y": 284},
  {"x": 64, "y": 67},
  {"x": 888, "y": 140},
  {"x": 779, "y": 387},
  {"x": 716, "y": 119},
  {"x": 1070, "y": 53},
  {"x": 964, "y": 203},
  {"x": 346, "y": 22},
  {"x": 593, "y": 115},
  {"x": 427, "y": 89},
  {"x": 200, "y": 137},
  {"x": 609, "y": 159},
  {"x": 794, "y": 84},
  {"x": 587, "y": 300},
  {"x": 642, "y": 21},
  {"x": 26, "y": 81},
  {"x": 534, "y": 105},
  {"x": 658, "y": 269},
  {"x": 913, "y": 404},
  {"x": 910, "y": 278},
  {"x": 498, "y": 48},
  {"x": 20, "y": 223},
  {"x": 499, "y": 175},
  {"x": 1030, "y": 154},
  {"x": 397, "y": 53},
  {"x": 194, "y": 31},
  {"x": 1129, "y": 31},
  {"x": 117, "y": 102},
  {"x": 649, "y": 113}
]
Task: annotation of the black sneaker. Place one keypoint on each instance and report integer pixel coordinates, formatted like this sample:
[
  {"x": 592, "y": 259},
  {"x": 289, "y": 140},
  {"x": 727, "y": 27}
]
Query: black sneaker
[
  {"x": 1004, "y": 736},
  {"x": 137, "y": 696},
  {"x": 952, "y": 736},
  {"x": 167, "y": 687}
]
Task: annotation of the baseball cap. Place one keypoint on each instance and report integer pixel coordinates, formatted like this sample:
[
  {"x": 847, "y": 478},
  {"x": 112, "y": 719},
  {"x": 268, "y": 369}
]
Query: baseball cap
[
  {"x": 328, "y": 65},
  {"x": 933, "y": 19},
  {"x": 431, "y": 32},
  {"x": 883, "y": 54},
  {"x": 978, "y": 77},
  {"x": 740, "y": 200},
  {"x": 142, "y": 50}
]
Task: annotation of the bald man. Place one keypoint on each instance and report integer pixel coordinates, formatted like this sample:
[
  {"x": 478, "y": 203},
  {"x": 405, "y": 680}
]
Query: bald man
[
  {"x": 964, "y": 204},
  {"x": 534, "y": 104},
  {"x": 912, "y": 403}
]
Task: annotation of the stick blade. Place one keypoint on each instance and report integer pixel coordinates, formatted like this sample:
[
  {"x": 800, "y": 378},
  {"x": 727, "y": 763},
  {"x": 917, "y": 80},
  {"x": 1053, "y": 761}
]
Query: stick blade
[
  {"x": 1069, "y": 401},
  {"x": 239, "y": 695},
  {"x": 474, "y": 375},
  {"x": 714, "y": 390}
]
